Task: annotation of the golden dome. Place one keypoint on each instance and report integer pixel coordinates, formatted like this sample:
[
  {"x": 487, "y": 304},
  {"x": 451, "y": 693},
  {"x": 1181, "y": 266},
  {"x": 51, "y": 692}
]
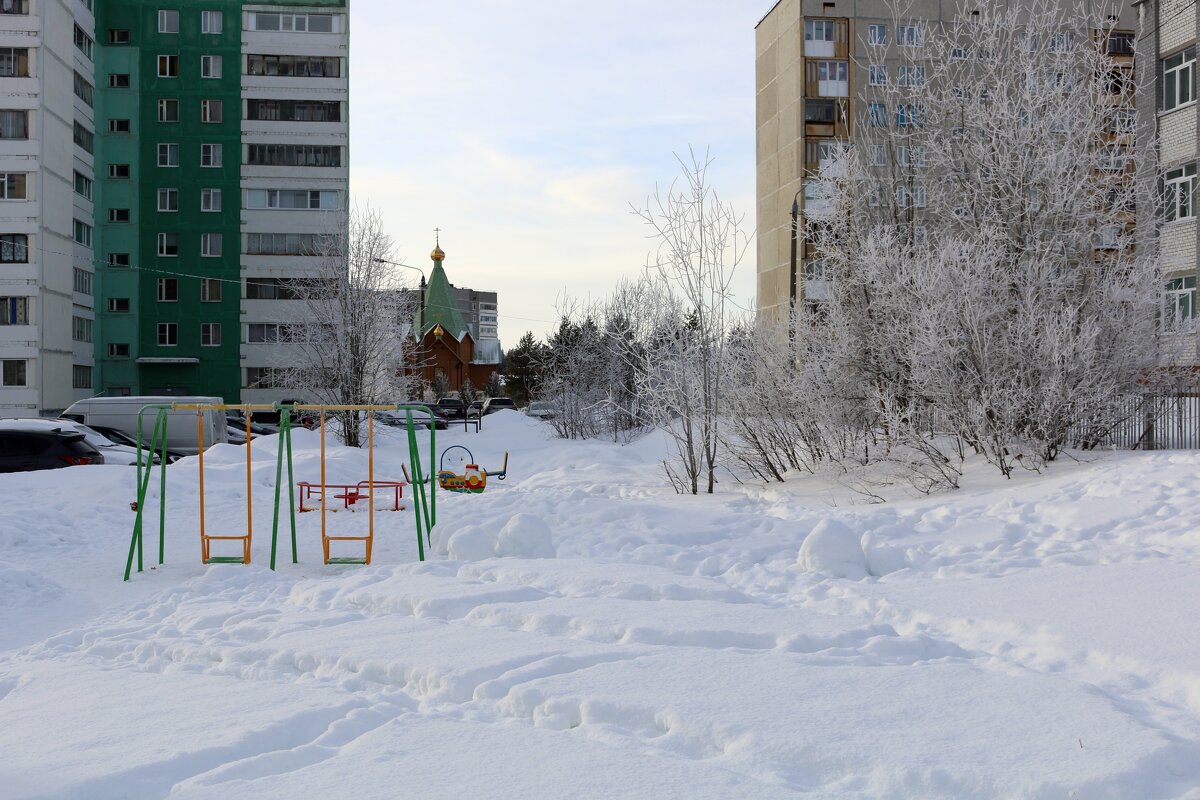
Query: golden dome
[{"x": 437, "y": 254}]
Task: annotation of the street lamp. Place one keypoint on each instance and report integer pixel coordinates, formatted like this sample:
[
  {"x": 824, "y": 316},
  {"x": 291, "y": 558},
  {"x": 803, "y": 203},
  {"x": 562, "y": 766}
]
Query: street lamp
[
  {"x": 793, "y": 288},
  {"x": 400, "y": 264}
]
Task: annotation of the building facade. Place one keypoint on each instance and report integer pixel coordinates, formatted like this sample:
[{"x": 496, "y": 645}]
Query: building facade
[
  {"x": 47, "y": 143},
  {"x": 222, "y": 160}
]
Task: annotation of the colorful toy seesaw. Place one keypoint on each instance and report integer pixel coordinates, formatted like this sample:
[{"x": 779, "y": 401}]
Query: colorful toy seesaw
[{"x": 473, "y": 479}]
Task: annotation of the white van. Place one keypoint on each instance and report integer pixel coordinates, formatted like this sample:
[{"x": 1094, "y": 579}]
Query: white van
[{"x": 121, "y": 414}]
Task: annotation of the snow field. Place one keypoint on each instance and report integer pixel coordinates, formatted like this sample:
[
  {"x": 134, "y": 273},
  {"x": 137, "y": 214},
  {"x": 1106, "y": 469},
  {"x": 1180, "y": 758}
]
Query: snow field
[{"x": 581, "y": 631}]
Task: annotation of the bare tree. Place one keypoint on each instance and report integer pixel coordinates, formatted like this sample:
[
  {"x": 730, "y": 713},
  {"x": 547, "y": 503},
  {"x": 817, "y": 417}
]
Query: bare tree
[{"x": 358, "y": 328}]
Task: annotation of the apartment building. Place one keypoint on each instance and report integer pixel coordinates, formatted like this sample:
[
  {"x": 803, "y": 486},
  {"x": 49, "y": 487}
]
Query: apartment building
[
  {"x": 223, "y": 137},
  {"x": 47, "y": 138},
  {"x": 817, "y": 62}
]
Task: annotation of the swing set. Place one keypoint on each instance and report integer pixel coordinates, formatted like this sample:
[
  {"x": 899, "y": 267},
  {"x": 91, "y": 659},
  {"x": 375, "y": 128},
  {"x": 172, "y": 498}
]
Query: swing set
[{"x": 424, "y": 506}]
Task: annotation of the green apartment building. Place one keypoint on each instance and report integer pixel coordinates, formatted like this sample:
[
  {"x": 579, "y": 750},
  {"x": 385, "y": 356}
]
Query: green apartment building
[{"x": 221, "y": 154}]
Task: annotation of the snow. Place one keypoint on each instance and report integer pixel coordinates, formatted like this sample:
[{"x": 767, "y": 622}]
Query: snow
[{"x": 579, "y": 630}]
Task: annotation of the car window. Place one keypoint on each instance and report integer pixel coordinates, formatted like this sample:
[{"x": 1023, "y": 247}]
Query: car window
[{"x": 17, "y": 445}]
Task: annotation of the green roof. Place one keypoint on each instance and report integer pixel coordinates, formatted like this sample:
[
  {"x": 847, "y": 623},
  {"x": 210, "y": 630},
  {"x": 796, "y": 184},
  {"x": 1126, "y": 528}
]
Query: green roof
[{"x": 440, "y": 307}]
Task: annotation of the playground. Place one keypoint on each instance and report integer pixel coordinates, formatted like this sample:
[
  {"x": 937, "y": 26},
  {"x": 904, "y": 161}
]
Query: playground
[{"x": 577, "y": 630}]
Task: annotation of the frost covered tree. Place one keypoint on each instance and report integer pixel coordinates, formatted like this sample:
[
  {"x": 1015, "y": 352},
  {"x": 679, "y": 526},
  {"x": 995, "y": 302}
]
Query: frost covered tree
[
  {"x": 356, "y": 330},
  {"x": 978, "y": 244}
]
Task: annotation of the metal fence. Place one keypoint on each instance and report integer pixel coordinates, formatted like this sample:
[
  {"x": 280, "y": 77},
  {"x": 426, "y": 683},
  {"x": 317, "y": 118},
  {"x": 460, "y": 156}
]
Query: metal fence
[{"x": 1148, "y": 422}]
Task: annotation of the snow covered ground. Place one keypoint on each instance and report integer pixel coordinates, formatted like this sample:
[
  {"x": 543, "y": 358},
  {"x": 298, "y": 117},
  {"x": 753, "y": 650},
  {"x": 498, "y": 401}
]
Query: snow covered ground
[{"x": 580, "y": 631}]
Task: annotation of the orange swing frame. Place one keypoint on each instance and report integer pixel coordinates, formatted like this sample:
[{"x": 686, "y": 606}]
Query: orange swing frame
[
  {"x": 368, "y": 540},
  {"x": 207, "y": 539}
]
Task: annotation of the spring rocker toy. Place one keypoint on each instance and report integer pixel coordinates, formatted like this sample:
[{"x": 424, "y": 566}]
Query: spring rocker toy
[{"x": 473, "y": 480}]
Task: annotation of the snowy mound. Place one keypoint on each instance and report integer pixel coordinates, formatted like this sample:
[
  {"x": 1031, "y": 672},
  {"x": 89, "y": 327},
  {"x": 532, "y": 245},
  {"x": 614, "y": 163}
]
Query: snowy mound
[
  {"x": 522, "y": 536},
  {"x": 833, "y": 549}
]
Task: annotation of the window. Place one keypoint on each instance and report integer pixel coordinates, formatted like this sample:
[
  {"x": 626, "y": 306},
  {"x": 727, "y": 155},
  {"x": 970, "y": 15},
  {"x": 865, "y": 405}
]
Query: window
[
  {"x": 294, "y": 66},
  {"x": 118, "y": 80},
  {"x": 210, "y": 334},
  {"x": 878, "y": 115},
  {"x": 168, "y": 111},
  {"x": 1108, "y": 237},
  {"x": 1180, "y": 302},
  {"x": 907, "y": 115},
  {"x": 1179, "y": 79},
  {"x": 910, "y": 35},
  {"x": 118, "y": 259},
  {"x": 818, "y": 30},
  {"x": 83, "y": 233},
  {"x": 81, "y": 377},
  {"x": 14, "y": 310},
  {"x": 168, "y": 21},
  {"x": 960, "y": 53},
  {"x": 293, "y": 155},
  {"x": 910, "y": 197},
  {"x": 14, "y": 248},
  {"x": 910, "y": 156},
  {"x": 300, "y": 23},
  {"x": 118, "y": 126},
  {"x": 1112, "y": 159},
  {"x": 1179, "y": 187},
  {"x": 819, "y": 111},
  {"x": 81, "y": 329},
  {"x": 294, "y": 110},
  {"x": 118, "y": 305},
  {"x": 14, "y": 372},
  {"x": 84, "y": 138},
  {"x": 269, "y": 332},
  {"x": 83, "y": 43},
  {"x": 210, "y": 111},
  {"x": 210, "y": 66},
  {"x": 210, "y": 290},
  {"x": 292, "y": 199},
  {"x": 910, "y": 76},
  {"x": 210, "y": 245},
  {"x": 82, "y": 281},
  {"x": 118, "y": 36},
  {"x": 210, "y": 155},
  {"x": 832, "y": 78},
  {"x": 210, "y": 199},
  {"x": 168, "y": 290},
  {"x": 84, "y": 89},
  {"x": 15, "y": 124},
  {"x": 878, "y": 155},
  {"x": 168, "y": 155},
  {"x": 270, "y": 289},
  {"x": 168, "y": 199},
  {"x": 282, "y": 244},
  {"x": 877, "y": 75},
  {"x": 13, "y": 185},
  {"x": 1122, "y": 120},
  {"x": 1062, "y": 42},
  {"x": 14, "y": 62},
  {"x": 168, "y": 244},
  {"x": 211, "y": 21},
  {"x": 14, "y": 7},
  {"x": 118, "y": 171},
  {"x": 118, "y": 215},
  {"x": 118, "y": 350},
  {"x": 877, "y": 34},
  {"x": 1120, "y": 43},
  {"x": 168, "y": 66},
  {"x": 168, "y": 334}
]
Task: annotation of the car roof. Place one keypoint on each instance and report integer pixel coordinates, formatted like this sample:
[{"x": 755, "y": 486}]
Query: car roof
[{"x": 38, "y": 424}]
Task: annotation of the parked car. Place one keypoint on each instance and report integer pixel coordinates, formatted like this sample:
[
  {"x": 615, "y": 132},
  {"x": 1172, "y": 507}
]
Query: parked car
[
  {"x": 113, "y": 452},
  {"x": 122, "y": 413},
  {"x": 475, "y": 410},
  {"x": 120, "y": 437},
  {"x": 452, "y": 407},
  {"x": 420, "y": 419},
  {"x": 542, "y": 409},
  {"x": 30, "y": 449},
  {"x": 494, "y": 404}
]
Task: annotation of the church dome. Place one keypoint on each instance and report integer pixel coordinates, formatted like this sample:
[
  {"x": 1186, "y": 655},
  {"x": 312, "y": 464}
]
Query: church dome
[{"x": 437, "y": 254}]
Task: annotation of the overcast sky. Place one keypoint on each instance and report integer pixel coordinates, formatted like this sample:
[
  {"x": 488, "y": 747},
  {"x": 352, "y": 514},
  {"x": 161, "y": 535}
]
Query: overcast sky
[{"x": 525, "y": 129}]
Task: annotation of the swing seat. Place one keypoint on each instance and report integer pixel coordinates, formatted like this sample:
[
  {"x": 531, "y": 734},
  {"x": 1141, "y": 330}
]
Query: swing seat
[{"x": 207, "y": 557}]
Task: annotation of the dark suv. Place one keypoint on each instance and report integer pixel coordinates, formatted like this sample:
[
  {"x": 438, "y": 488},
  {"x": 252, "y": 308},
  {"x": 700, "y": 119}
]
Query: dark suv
[
  {"x": 21, "y": 451},
  {"x": 450, "y": 408},
  {"x": 494, "y": 404}
]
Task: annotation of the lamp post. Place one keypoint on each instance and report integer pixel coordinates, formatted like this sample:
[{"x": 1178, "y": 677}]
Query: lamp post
[
  {"x": 400, "y": 264},
  {"x": 793, "y": 287}
]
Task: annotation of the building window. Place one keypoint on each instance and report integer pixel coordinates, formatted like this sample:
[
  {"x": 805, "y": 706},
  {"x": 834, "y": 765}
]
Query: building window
[
  {"x": 910, "y": 77},
  {"x": 168, "y": 111},
  {"x": 118, "y": 305},
  {"x": 298, "y": 23},
  {"x": 1108, "y": 237},
  {"x": 910, "y": 156},
  {"x": 210, "y": 110},
  {"x": 877, "y": 34},
  {"x": 14, "y": 62},
  {"x": 83, "y": 42},
  {"x": 168, "y": 155},
  {"x": 270, "y": 289},
  {"x": 14, "y": 7},
  {"x": 118, "y": 259},
  {"x": 960, "y": 53},
  {"x": 907, "y": 115},
  {"x": 283, "y": 244},
  {"x": 118, "y": 80},
  {"x": 81, "y": 329},
  {"x": 210, "y": 66},
  {"x": 81, "y": 377},
  {"x": 292, "y": 199},
  {"x": 1179, "y": 187},
  {"x": 294, "y": 66},
  {"x": 14, "y": 372},
  {"x": 168, "y": 290},
  {"x": 210, "y": 245},
  {"x": 168, "y": 199},
  {"x": 878, "y": 115},
  {"x": 1062, "y": 42},
  {"x": 211, "y": 21},
  {"x": 294, "y": 110},
  {"x": 913, "y": 197},
  {"x": 168, "y": 66},
  {"x": 910, "y": 35},
  {"x": 1120, "y": 43},
  {"x": 84, "y": 138},
  {"x": 210, "y": 199},
  {"x": 15, "y": 124},
  {"x": 818, "y": 30},
  {"x": 210, "y": 290},
  {"x": 1122, "y": 121},
  {"x": 13, "y": 185},
  {"x": 118, "y": 36},
  {"x": 293, "y": 155},
  {"x": 118, "y": 171},
  {"x": 83, "y": 281},
  {"x": 832, "y": 78},
  {"x": 268, "y": 332},
  {"x": 210, "y": 334},
  {"x": 168, "y": 334},
  {"x": 1180, "y": 302},
  {"x": 83, "y": 233},
  {"x": 14, "y": 310},
  {"x": 118, "y": 350},
  {"x": 210, "y": 155},
  {"x": 14, "y": 248},
  {"x": 168, "y": 244},
  {"x": 877, "y": 75},
  {"x": 1179, "y": 79},
  {"x": 819, "y": 111},
  {"x": 878, "y": 155},
  {"x": 83, "y": 89},
  {"x": 118, "y": 215},
  {"x": 118, "y": 126},
  {"x": 168, "y": 21}
]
